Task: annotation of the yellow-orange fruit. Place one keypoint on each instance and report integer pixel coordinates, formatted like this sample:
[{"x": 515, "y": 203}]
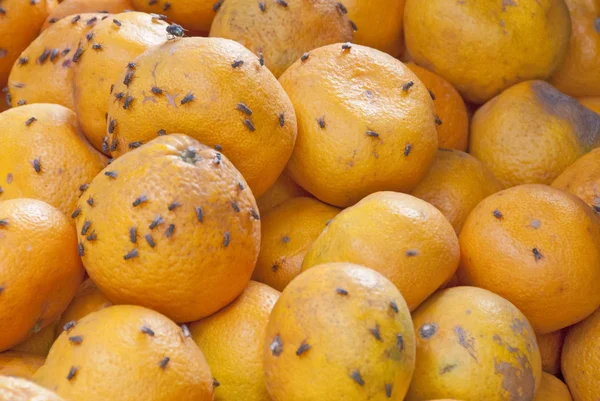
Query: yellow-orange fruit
[
  {"x": 552, "y": 389},
  {"x": 19, "y": 364},
  {"x": 582, "y": 179},
  {"x": 123, "y": 353},
  {"x": 453, "y": 121},
  {"x": 406, "y": 239},
  {"x": 45, "y": 156},
  {"x": 44, "y": 71},
  {"x": 592, "y": 103},
  {"x": 194, "y": 15},
  {"x": 228, "y": 102},
  {"x": 287, "y": 231},
  {"x": 232, "y": 342},
  {"x": 581, "y": 359},
  {"x": 551, "y": 345},
  {"x": 177, "y": 214},
  {"x": 483, "y": 47},
  {"x": 578, "y": 74},
  {"x": 40, "y": 267},
  {"x": 100, "y": 61},
  {"x": 282, "y": 31},
  {"x": 474, "y": 345},
  {"x": 531, "y": 133},
  {"x": 456, "y": 183},
  {"x": 73, "y": 7},
  {"x": 358, "y": 133},
  {"x": 88, "y": 299},
  {"x": 538, "y": 247},
  {"x": 281, "y": 191},
  {"x": 15, "y": 389},
  {"x": 345, "y": 330},
  {"x": 39, "y": 343}
]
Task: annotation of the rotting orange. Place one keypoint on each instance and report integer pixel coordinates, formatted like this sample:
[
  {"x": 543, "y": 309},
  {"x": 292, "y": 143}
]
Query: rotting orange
[
  {"x": 582, "y": 179},
  {"x": 122, "y": 352},
  {"x": 178, "y": 215},
  {"x": 552, "y": 389},
  {"x": 531, "y": 133},
  {"x": 343, "y": 329},
  {"x": 281, "y": 191},
  {"x": 229, "y": 102},
  {"x": 406, "y": 239},
  {"x": 194, "y": 15},
  {"x": 499, "y": 43},
  {"x": 539, "y": 248},
  {"x": 467, "y": 336},
  {"x": 35, "y": 289},
  {"x": 280, "y": 32},
  {"x": 19, "y": 364},
  {"x": 99, "y": 62},
  {"x": 452, "y": 120},
  {"x": 232, "y": 342},
  {"x": 287, "y": 232},
  {"x": 551, "y": 345},
  {"x": 72, "y": 8},
  {"x": 366, "y": 123},
  {"x": 45, "y": 156},
  {"x": 38, "y": 343},
  {"x": 592, "y": 103},
  {"x": 16, "y": 389},
  {"x": 44, "y": 71},
  {"x": 455, "y": 184}
]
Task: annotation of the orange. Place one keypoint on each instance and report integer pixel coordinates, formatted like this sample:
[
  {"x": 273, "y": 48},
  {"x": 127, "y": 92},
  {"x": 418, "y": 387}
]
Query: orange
[
  {"x": 232, "y": 341},
  {"x": 40, "y": 342},
  {"x": 365, "y": 124},
  {"x": 99, "y": 63},
  {"x": 228, "y": 102},
  {"x": 287, "y": 231},
  {"x": 456, "y": 183},
  {"x": 473, "y": 345},
  {"x": 452, "y": 120},
  {"x": 20, "y": 22},
  {"x": 551, "y": 345},
  {"x": 45, "y": 156},
  {"x": 14, "y": 389},
  {"x": 40, "y": 267},
  {"x": 171, "y": 226},
  {"x": 345, "y": 330},
  {"x": 483, "y": 47},
  {"x": 19, "y": 364},
  {"x": 124, "y": 353},
  {"x": 282, "y": 31},
  {"x": 539, "y": 248},
  {"x": 44, "y": 71},
  {"x": 281, "y": 191},
  {"x": 581, "y": 359},
  {"x": 552, "y": 389},
  {"x": 592, "y": 103},
  {"x": 195, "y": 15},
  {"x": 71, "y": 8},
  {"x": 582, "y": 179},
  {"x": 578, "y": 74},
  {"x": 406, "y": 239},
  {"x": 558, "y": 130}
]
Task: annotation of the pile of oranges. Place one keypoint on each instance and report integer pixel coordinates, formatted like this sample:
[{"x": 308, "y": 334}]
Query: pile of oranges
[{"x": 300, "y": 200}]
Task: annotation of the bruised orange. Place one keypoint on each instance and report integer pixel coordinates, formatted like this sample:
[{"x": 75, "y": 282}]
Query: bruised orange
[
  {"x": 88, "y": 299},
  {"x": 582, "y": 179},
  {"x": 552, "y": 389},
  {"x": 38, "y": 343},
  {"x": 19, "y": 364},
  {"x": 281, "y": 191},
  {"x": 551, "y": 346}
]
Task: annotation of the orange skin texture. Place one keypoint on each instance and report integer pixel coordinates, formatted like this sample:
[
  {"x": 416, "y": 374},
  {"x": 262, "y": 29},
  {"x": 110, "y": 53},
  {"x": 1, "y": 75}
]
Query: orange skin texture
[
  {"x": 579, "y": 74},
  {"x": 582, "y": 178},
  {"x": 40, "y": 342},
  {"x": 404, "y": 238},
  {"x": 533, "y": 36},
  {"x": 202, "y": 265},
  {"x": 531, "y": 133},
  {"x": 375, "y": 136},
  {"x": 15, "y": 389},
  {"x": 88, "y": 299},
  {"x": 19, "y": 364},
  {"x": 365, "y": 336},
  {"x": 551, "y": 345},
  {"x": 539, "y": 248},
  {"x": 287, "y": 232},
  {"x": 282, "y": 34},
  {"x": 212, "y": 116},
  {"x": 592, "y": 103},
  {"x": 35, "y": 289},
  {"x": 455, "y": 184},
  {"x": 66, "y": 159},
  {"x": 453, "y": 132},
  {"x": 19, "y": 26},
  {"x": 194, "y": 15},
  {"x": 468, "y": 335},
  {"x": 281, "y": 191},
  {"x": 72, "y": 7},
  {"x": 97, "y": 69},
  {"x": 552, "y": 389},
  {"x": 116, "y": 360},
  {"x": 232, "y": 342},
  {"x": 581, "y": 359},
  {"x": 52, "y": 80}
]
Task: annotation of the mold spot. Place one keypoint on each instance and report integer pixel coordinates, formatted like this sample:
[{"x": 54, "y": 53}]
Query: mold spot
[
  {"x": 428, "y": 330},
  {"x": 276, "y": 346}
]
